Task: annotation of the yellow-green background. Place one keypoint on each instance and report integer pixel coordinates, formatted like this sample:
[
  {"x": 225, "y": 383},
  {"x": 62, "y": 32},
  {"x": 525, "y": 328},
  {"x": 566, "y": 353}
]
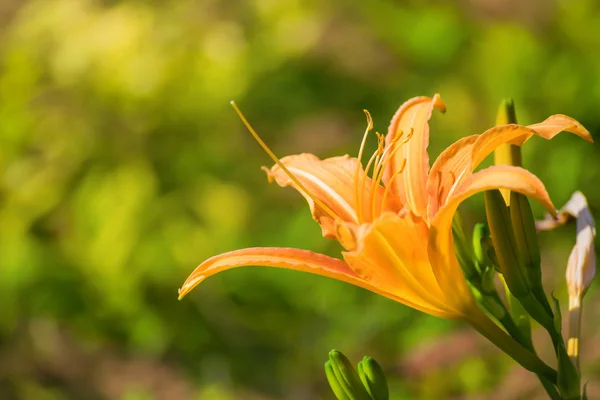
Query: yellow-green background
[{"x": 122, "y": 167}]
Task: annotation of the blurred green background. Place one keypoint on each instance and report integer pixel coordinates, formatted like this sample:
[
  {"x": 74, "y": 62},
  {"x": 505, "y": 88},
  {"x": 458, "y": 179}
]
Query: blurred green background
[{"x": 123, "y": 166}]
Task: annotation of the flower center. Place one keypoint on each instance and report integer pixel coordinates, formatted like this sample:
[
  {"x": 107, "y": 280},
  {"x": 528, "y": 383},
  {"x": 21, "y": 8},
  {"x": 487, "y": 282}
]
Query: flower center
[{"x": 379, "y": 160}]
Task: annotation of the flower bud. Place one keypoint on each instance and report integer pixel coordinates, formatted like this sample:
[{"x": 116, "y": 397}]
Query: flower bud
[
  {"x": 480, "y": 234},
  {"x": 488, "y": 285},
  {"x": 525, "y": 235},
  {"x": 507, "y": 154},
  {"x": 373, "y": 379},
  {"x": 504, "y": 243},
  {"x": 581, "y": 268},
  {"x": 346, "y": 376},
  {"x": 335, "y": 385},
  {"x": 528, "y": 250},
  {"x": 463, "y": 249},
  {"x": 491, "y": 304}
]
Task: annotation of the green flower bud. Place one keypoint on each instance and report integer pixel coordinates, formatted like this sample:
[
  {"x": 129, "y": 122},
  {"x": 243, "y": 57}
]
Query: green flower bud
[
  {"x": 506, "y": 112},
  {"x": 526, "y": 236},
  {"x": 336, "y": 387},
  {"x": 488, "y": 286},
  {"x": 373, "y": 379},
  {"x": 347, "y": 377},
  {"x": 480, "y": 233},
  {"x": 463, "y": 250},
  {"x": 504, "y": 243},
  {"x": 507, "y": 154},
  {"x": 511, "y": 268},
  {"x": 494, "y": 307}
]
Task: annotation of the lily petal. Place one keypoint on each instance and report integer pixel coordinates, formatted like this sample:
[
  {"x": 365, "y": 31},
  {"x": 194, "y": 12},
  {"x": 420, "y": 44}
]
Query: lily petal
[
  {"x": 555, "y": 124},
  {"x": 454, "y": 166},
  {"x": 332, "y": 181},
  {"x": 288, "y": 258},
  {"x": 446, "y": 170},
  {"x": 518, "y": 134},
  {"x": 441, "y": 244},
  {"x": 411, "y": 119},
  {"x": 392, "y": 255}
]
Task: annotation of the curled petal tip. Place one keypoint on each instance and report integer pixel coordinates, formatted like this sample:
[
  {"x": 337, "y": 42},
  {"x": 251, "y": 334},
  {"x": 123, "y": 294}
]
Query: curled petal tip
[{"x": 438, "y": 103}]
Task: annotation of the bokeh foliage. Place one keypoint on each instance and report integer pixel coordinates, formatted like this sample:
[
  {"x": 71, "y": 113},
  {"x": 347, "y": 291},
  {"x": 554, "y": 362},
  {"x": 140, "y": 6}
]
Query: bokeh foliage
[{"x": 122, "y": 167}]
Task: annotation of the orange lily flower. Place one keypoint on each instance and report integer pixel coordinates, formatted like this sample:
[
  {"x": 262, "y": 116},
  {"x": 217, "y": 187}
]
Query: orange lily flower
[{"x": 394, "y": 222}]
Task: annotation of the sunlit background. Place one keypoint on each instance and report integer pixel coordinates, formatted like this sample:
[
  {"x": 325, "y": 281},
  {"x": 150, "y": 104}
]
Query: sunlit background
[{"x": 123, "y": 166}]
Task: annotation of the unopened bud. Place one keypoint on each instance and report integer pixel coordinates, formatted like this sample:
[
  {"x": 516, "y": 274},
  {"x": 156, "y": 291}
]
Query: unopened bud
[
  {"x": 373, "y": 379},
  {"x": 488, "y": 285},
  {"x": 494, "y": 307},
  {"x": 334, "y": 384},
  {"x": 528, "y": 249},
  {"x": 507, "y": 154},
  {"x": 480, "y": 234},
  {"x": 581, "y": 268},
  {"x": 346, "y": 376},
  {"x": 504, "y": 243},
  {"x": 525, "y": 235},
  {"x": 463, "y": 249}
]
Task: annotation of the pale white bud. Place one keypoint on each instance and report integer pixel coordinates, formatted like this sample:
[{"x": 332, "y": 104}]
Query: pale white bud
[{"x": 581, "y": 268}]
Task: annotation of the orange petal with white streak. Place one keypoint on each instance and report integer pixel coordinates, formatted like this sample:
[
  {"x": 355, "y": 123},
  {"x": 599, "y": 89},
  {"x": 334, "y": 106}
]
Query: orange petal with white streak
[
  {"x": 441, "y": 243},
  {"x": 287, "y": 258},
  {"x": 332, "y": 181},
  {"x": 392, "y": 255},
  {"x": 411, "y": 119}
]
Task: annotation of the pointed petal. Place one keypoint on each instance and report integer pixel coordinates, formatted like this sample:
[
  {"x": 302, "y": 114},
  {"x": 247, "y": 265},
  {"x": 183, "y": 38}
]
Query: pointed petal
[
  {"x": 288, "y": 258},
  {"x": 332, "y": 181},
  {"x": 452, "y": 166},
  {"x": 411, "y": 119},
  {"x": 518, "y": 134},
  {"x": 441, "y": 244},
  {"x": 555, "y": 124},
  {"x": 392, "y": 255},
  {"x": 489, "y": 140},
  {"x": 446, "y": 170}
]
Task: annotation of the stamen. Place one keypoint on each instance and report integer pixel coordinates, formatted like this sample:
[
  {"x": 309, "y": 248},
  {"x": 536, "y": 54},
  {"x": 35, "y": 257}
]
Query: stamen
[
  {"x": 357, "y": 195},
  {"x": 374, "y": 159},
  {"x": 387, "y": 188},
  {"x": 391, "y": 155},
  {"x": 379, "y": 160},
  {"x": 262, "y": 144},
  {"x": 386, "y": 159},
  {"x": 379, "y": 168}
]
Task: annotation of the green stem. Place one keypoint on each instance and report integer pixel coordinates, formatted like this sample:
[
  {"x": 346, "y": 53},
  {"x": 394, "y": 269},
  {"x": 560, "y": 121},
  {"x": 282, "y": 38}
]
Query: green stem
[
  {"x": 526, "y": 358},
  {"x": 525, "y": 339}
]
